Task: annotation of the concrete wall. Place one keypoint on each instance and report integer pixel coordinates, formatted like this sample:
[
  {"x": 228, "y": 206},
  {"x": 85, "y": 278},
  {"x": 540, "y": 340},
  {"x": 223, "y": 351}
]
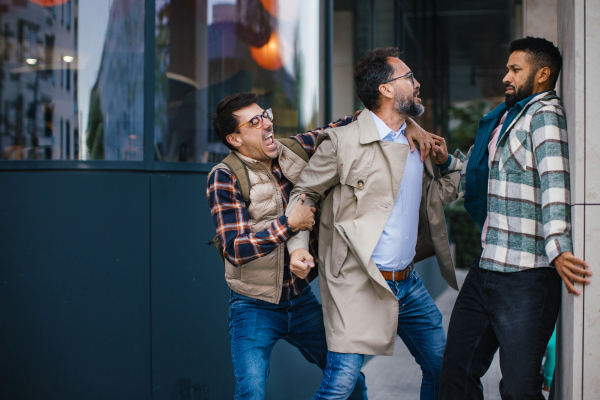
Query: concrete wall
[
  {"x": 578, "y": 31},
  {"x": 539, "y": 19}
]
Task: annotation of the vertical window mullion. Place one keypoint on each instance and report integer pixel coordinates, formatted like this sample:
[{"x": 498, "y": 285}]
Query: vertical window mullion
[{"x": 149, "y": 78}]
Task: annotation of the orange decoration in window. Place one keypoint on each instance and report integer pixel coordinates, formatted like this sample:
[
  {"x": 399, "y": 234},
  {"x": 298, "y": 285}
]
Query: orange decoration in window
[
  {"x": 268, "y": 56},
  {"x": 270, "y": 6},
  {"x": 49, "y": 3}
]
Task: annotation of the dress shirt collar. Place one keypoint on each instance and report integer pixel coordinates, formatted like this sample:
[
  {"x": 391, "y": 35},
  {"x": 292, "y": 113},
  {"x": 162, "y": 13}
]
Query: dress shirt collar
[{"x": 385, "y": 130}]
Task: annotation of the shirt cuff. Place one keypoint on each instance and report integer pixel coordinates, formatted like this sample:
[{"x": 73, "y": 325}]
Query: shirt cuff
[
  {"x": 445, "y": 165},
  {"x": 557, "y": 246},
  {"x": 281, "y": 229}
]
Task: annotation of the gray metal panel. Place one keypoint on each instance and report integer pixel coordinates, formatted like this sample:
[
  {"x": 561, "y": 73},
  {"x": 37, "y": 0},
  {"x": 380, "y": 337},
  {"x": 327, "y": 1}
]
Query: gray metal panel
[
  {"x": 74, "y": 285},
  {"x": 189, "y": 296}
]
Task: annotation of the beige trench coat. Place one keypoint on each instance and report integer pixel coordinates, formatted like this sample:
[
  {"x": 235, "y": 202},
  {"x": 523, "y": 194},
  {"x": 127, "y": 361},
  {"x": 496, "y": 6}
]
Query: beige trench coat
[{"x": 359, "y": 177}]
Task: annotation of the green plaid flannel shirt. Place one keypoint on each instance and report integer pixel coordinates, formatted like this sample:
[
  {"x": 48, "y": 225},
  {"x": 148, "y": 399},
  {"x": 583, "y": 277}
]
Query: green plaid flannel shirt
[{"x": 529, "y": 214}]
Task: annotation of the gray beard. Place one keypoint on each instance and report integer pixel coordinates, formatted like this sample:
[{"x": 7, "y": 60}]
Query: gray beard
[{"x": 408, "y": 107}]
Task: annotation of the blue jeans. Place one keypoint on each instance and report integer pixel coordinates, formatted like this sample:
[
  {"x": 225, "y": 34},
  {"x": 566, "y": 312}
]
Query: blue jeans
[
  {"x": 254, "y": 328},
  {"x": 419, "y": 326},
  {"x": 513, "y": 311}
]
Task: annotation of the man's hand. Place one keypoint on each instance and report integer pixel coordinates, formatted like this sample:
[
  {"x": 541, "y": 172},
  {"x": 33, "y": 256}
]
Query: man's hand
[
  {"x": 302, "y": 218},
  {"x": 301, "y": 262},
  {"x": 414, "y": 132},
  {"x": 571, "y": 269},
  {"x": 440, "y": 156}
]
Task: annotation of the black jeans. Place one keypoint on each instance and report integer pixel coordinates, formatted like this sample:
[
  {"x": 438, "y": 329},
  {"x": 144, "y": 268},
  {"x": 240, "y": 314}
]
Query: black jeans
[{"x": 515, "y": 311}]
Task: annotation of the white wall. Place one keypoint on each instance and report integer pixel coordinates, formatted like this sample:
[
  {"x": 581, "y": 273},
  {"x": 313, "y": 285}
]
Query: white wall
[
  {"x": 578, "y": 32},
  {"x": 539, "y": 19}
]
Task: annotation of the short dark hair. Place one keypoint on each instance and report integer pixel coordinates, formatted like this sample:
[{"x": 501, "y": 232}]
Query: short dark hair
[
  {"x": 224, "y": 121},
  {"x": 372, "y": 69},
  {"x": 541, "y": 53}
]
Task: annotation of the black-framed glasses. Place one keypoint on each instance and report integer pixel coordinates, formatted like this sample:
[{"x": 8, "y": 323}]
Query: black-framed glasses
[
  {"x": 409, "y": 75},
  {"x": 257, "y": 120}
]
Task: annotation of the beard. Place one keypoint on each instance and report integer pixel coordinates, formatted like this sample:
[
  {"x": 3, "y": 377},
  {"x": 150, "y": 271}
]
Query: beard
[
  {"x": 520, "y": 93},
  {"x": 408, "y": 106}
]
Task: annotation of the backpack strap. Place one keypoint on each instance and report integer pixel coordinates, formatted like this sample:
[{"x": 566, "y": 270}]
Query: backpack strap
[
  {"x": 239, "y": 169},
  {"x": 295, "y": 147}
]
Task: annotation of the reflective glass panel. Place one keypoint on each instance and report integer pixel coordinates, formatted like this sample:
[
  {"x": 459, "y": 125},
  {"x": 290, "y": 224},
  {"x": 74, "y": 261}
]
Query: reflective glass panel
[
  {"x": 208, "y": 49},
  {"x": 71, "y": 79}
]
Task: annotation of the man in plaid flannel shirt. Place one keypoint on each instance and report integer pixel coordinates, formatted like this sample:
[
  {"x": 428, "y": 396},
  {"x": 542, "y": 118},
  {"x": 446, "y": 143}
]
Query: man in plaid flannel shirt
[
  {"x": 257, "y": 321},
  {"x": 515, "y": 181}
]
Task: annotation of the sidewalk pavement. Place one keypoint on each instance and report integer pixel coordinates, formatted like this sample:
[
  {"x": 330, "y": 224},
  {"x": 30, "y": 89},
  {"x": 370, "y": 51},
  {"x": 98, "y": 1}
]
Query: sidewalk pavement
[{"x": 399, "y": 377}]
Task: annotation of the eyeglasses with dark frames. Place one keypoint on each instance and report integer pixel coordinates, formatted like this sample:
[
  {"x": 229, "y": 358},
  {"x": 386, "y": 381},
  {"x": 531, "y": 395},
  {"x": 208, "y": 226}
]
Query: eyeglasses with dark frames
[
  {"x": 257, "y": 120},
  {"x": 410, "y": 75}
]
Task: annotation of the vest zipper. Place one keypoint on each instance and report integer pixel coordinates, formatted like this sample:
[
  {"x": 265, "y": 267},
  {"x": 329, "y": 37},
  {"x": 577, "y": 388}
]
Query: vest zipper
[{"x": 279, "y": 283}]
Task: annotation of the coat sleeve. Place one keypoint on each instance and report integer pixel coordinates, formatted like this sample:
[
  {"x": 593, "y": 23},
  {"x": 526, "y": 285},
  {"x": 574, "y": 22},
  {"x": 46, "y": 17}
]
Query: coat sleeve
[
  {"x": 447, "y": 187},
  {"x": 550, "y": 146},
  {"x": 320, "y": 175},
  {"x": 458, "y": 164}
]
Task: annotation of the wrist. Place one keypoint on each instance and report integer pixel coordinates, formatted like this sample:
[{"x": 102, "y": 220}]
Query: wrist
[
  {"x": 445, "y": 165},
  {"x": 289, "y": 226}
]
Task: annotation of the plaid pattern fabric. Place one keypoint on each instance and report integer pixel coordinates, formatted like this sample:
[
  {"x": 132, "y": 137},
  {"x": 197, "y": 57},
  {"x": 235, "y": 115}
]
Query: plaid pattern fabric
[
  {"x": 230, "y": 217},
  {"x": 529, "y": 215}
]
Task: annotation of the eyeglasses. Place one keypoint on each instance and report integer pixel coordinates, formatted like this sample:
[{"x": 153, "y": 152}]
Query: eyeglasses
[
  {"x": 257, "y": 120},
  {"x": 410, "y": 75}
]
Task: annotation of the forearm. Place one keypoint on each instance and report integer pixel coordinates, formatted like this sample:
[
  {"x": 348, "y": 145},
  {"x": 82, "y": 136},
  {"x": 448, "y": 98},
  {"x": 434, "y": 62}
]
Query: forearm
[
  {"x": 447, "y": 188},
  {"x": 246, "y": 247},
  {"x": 298, "y": 241},
  {"x": 556, "y": 211},
  {"x": 231, "y": 221},
  {"x": 549, "y": 141},
  {"x": 457, "y": 163}
]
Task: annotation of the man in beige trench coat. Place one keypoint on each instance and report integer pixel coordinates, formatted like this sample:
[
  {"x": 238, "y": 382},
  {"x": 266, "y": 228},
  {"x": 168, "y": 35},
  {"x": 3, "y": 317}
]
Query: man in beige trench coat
[{"x": 382, "y": 211}]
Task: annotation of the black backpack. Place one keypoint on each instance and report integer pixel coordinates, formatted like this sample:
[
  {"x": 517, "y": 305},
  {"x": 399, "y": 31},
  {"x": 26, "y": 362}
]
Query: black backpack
[{"x": 240, "y": 171}]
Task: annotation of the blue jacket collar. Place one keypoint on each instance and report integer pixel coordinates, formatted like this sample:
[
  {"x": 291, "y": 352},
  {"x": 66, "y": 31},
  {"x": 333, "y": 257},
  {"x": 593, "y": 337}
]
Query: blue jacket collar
[{"x": 496, "y": 113}]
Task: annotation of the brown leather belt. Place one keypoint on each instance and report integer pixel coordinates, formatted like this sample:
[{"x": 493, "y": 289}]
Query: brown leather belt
[{"x": 398, "y": 275}]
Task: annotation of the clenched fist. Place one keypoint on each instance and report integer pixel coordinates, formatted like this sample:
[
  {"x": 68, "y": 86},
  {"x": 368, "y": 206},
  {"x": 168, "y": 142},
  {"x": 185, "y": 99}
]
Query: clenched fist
[
  {"x": 302, "y": 218},
  {"x": 301, "y": 262}
]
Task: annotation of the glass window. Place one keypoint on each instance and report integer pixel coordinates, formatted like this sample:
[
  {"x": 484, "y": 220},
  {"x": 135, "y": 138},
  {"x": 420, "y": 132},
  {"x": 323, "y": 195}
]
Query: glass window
[
  {"x": 209, "y": 49},
  {"x": 95, "y": 110}
]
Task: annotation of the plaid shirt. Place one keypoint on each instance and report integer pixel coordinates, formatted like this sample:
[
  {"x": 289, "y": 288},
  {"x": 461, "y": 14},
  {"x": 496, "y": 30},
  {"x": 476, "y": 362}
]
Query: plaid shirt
[
  {"x": 230, "y": 217},
  {"x": 528, "y": 208}
]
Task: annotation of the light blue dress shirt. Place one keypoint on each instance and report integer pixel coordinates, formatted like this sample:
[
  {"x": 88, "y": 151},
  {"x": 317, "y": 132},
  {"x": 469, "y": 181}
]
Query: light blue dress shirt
[{"x": 396, "y": 247}]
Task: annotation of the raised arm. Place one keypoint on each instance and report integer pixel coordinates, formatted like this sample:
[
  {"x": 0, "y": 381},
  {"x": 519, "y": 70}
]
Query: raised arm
[{"x": 308, "y": 140}]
